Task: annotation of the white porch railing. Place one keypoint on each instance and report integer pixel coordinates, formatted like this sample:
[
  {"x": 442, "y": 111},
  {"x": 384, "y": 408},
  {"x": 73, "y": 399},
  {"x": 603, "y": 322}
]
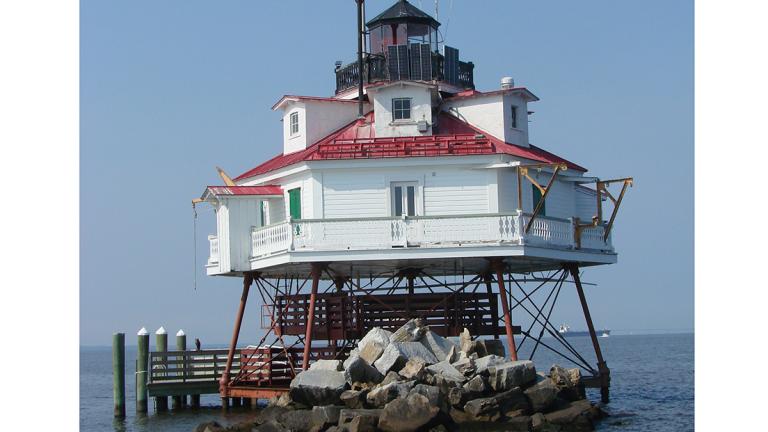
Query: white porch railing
[
  {"x": 213, "y": 255},
  {"x": 420, "y": 231}
]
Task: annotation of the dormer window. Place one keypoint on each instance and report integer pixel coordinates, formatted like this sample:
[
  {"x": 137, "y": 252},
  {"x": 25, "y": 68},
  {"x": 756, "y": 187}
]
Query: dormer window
[
  {"x": 294, "y": 122},
  {"x": 514, "y": 117},
  {"x": 401, "y": 109}
]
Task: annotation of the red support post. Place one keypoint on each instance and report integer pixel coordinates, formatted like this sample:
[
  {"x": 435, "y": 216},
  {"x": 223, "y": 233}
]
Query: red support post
[
  {"x": 316, "y": 269},
  {"x": 602, "y": 366},
  {"x": 224, "y": 381},
  {"x": 498, "y": 266}
]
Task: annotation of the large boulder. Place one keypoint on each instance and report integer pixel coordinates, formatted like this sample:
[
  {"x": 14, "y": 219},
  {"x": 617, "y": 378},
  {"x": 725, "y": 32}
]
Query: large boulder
[
  {"x": 373, "y": 344},
  {"x": 466, "y": 344},
  {"x": 483, "y": 363},
  {"x": 397, "y": 354},
  {"x": 575, "y": 416},
  {"x": 511, "y": 374},
  {"x": 324, "y": 416},
  {"x": 484, "y": 409},
  {"x": 297, "y": 421},
  {"x": 331, "y": 365},
  {"x": 493, "y": 347},
  {"x": 411, "y": 331},
  {"x": 359, "y": 370},
  {"x": 542, "y": 394},
  {"x": 414, "y": 368},
  {"x": 432, "y": 393},
  {"x": 407, "y": 414},
  {"x": 440, "y": 346},
  {"x": 347, "y": 415},
  {"x": 318, "y": 387},
  {"x": 383, "y": 394},
  {"x": 354, "y": 398},
  {"x": 447, "y": 371},
  {"x": 477, "y": 386}
]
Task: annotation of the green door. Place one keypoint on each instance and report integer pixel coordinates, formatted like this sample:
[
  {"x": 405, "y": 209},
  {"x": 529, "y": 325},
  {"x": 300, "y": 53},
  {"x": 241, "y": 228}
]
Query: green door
[
  {"x": 294, "y": 203},
  {"x": 536, "y": 199}
]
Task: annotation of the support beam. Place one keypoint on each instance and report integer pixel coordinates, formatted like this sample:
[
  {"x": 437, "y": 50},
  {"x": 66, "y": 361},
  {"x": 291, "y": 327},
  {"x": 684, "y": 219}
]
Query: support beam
[
  {"x": 498, "y": 267},
  {"x": 316, "y": 271},
  {"x": 602, "y": 367},
  {"x": 224, "y": 381}
]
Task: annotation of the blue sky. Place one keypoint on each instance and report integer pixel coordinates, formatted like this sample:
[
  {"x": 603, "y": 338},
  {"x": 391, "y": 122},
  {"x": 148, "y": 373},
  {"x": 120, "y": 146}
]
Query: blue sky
[{"x": 171, "y": 89}]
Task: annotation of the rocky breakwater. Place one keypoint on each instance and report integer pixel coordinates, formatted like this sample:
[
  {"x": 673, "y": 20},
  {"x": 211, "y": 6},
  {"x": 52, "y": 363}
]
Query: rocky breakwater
[{"x": 416, "y": 380}]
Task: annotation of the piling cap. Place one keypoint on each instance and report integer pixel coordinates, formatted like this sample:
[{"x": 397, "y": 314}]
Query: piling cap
[
  {"x": 180, "y": 333},
  {"x": 161, "y": 331},
  {"x": 142, "y": 332}
]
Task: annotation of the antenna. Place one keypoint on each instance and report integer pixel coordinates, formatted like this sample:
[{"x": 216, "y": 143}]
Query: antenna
[
  {"x": 437, "y": 10},
  {"x": 360, "y": 57}
]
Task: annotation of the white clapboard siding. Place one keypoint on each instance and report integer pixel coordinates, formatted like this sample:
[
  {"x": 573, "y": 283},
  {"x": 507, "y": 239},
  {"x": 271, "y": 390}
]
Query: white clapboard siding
[
  {"x": 276, "y": 210},
  {"x": 455, "y": 192},
  {"x": 353, "y": 195},
  {"x": 243, "y": 214},
  {"x": 586, "y": 203}
]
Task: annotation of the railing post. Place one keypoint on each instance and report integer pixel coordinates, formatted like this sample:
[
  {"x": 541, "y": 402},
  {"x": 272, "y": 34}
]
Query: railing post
[
  {"x": 142, "y": 356},
  {"x": 161, "y": 346},
  {"x": 118, "y": 373},
  {"x": 178, "y": 402}
]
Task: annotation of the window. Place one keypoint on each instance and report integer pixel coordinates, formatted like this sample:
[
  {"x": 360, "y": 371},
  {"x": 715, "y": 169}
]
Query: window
[
  {"x": 514, "y": 117},
  {"x": 401, "y": 109},
  {"x": 536, "y": 198},
  {"x": 403, "y": 199},
  {"x": 294, "y": 123}
]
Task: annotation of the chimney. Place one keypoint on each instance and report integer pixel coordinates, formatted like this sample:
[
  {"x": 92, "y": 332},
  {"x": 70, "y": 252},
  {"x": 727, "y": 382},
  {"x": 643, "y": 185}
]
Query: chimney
[{"x": 507, "y": 83}]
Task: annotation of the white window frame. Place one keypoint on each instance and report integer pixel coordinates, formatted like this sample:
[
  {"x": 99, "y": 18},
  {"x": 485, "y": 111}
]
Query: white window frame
[
  {"x": 291, "y": 124},
  {"x": 404, "y": 185},
  {"x": 396, "y": 110}
]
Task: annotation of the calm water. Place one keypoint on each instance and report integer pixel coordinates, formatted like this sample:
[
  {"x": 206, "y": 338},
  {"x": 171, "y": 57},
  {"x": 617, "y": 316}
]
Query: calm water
[{"x": 652, "y": 379}]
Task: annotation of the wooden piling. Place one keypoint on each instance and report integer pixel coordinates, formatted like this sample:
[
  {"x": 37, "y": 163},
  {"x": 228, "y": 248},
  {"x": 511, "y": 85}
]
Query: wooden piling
[
  {"x": 179, "y": 402},
  {"x": 142, "y": 360},
  {"x": 118, "y": 373},
  {"x": 161, "y": 346}
]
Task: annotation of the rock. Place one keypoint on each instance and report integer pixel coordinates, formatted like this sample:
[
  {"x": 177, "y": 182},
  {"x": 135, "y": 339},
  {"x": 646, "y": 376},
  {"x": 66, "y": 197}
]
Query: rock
[
  {"x": 391, "y": 377},
  {"x": 511, "y": 374},
  {"x": 414, "y": 368},
  {"x": 354, "y": 352},
  {"x": 271, "y": 426},
  {"x": 459, "y": 416},
  {"x": 465, "y": 341},
  {"x": 477, "y": 386},
  {"x": 465, "y": 364},
  {"x": 576, "y": 416},
  {"x": 440, "y": 346},
  {"x": 353, "y": 398},
  {"x": 347, "y": 415},
  {"x": 327, "y": 415},
  {"x": 537, "y": 421},
  {"x": 298, "y": 421},
  {"x": 494, "y": 347},
  {"x": 270, "y": 413},
  {"x": 574, "y": 375},
  {"x": 512, "y": 400},
  {"x": 210, "y": 426},
  {"x": 383, "y": 394},
  {"x": 362, "y": 424},
  {"x": 376, "y": 337},
  {"x": 447, "y": 371},
  {"x": 398, "y": 353},
  {"x": 559, "y": 376},
  {"x": 359, "y": 370},
  {"x": 485, "y": 409},
  {"x": 407, "y": 414},
  {"x": 432, "y": 394},
  {"x": 331, "y": 365},
  {"x": 439, "y": 428},
  {"x": 483, "y": 363},
  {"x": 519, "y": 423},
  {"x": 542, "y": 394},
  {"x": 411, "y": 331},
  {"x": 455, "y": 396},
  {"x": 318, "y": 387}
]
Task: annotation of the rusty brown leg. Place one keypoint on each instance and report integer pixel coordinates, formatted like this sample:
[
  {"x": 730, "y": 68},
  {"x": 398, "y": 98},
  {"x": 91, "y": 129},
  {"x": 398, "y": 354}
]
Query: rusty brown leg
[
  {"x": 316, "y": 269},
  {"x": 602, "y": 366},
  {"x": 498, "y": 267},
  {"x": 224, "y": 381}
]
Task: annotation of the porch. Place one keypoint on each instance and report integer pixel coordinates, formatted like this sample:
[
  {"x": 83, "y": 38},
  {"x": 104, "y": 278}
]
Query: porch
[{"x": 427, "y": 237}]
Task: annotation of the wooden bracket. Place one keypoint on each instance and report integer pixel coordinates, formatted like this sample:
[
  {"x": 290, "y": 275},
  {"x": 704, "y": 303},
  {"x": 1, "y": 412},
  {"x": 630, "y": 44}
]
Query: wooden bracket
[{"x": 522, "y": 171}]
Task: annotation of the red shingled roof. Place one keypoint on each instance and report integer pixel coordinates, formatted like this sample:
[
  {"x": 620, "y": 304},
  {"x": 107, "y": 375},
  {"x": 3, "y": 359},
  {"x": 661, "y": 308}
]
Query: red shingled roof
[{"x": 453, "y": 137}]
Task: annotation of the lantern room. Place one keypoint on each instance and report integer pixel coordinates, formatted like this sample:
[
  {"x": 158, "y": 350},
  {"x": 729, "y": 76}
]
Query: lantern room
[{"x": 402, "y": 24}]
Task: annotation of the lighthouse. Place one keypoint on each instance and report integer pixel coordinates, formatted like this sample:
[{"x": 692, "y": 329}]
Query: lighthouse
[{"x": 406, "y": 193}]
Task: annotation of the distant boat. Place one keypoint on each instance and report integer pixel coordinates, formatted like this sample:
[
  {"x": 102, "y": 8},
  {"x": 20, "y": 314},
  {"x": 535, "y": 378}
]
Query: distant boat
[{"x": 565, "y": 330}]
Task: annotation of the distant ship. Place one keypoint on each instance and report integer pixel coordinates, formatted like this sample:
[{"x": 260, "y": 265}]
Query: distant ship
[{"x": 565, "y": 330}]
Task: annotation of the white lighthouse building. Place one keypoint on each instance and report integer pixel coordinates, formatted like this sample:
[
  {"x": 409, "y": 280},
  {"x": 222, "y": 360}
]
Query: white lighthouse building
[{"x": 436, "y": 178}]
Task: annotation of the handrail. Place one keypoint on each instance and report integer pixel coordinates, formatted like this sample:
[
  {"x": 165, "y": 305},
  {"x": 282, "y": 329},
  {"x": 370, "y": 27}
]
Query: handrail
[{"x": 392, "y": 218}]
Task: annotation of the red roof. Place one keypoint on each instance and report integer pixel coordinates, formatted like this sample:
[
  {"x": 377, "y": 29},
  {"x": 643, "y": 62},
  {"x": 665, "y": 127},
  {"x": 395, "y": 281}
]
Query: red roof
[
  {"x": 454, "y": 137},
  {"x": 245, "y": 190}
]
